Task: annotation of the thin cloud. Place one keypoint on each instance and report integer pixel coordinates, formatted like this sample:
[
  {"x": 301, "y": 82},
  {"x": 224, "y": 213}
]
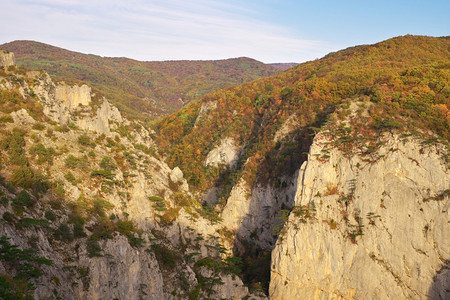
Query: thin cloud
[{"x": 157, "y": 30}]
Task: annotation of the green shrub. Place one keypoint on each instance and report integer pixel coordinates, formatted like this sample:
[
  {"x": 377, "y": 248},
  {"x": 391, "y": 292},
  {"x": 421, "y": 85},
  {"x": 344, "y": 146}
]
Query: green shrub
[
  {"x": 8, "y": 217},
  {"x": 93, "y": 247},
  {"x": 110, "y": 143},
  {"x": 107, "y": 164},
  {"x": 63, "y": 233},
  {"x": 4, "y": 200},
  {"x": 50, "y": 215},
  {"x": 387, "y": 124},
  {"x": 158, "y": 203},
  {"x": 49, "y": 132},
  {"x": 23, "y": 176},
  {"x": 70, "y": 178},
  {"x": 103, "y": 173},
  {"x": 8, "y": 185},
  {"x": 209, "y": 214},
  {"x": 14, "y": 288},
  {"x": 15, "y": 145},
  {"x": 6, "y": 119},
  {"x": 62, "y": 128},
  {"x": 167, "y": 258},
  {"x": 38, "y": 126},
  {"x": 135, "y": 241},
  {"x": 59, "y": 189},
  {"x": 23, "y": 199},
  {"x": 71, "y": 161},
  {"x": 85, "y": 140},
  {"x": 39, "y": 184},
  {"x": 126, "y": 227},
  {"x": 99, "y": 206},
  {"x": 28, "y": 222},
  {"x": 44, "y": 154},
  {"x": 78, "y": 231},
  {"x": 104, "y": 228},
  {"x": 26, "y": 264}
]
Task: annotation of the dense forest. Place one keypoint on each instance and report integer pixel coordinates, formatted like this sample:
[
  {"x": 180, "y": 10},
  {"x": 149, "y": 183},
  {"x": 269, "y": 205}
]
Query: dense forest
[{"x": 403, "y": 81}]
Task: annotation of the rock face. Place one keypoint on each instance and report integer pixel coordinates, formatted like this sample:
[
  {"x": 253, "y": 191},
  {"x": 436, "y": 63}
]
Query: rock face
[
  {"x": 6, "y": 59},
  {"x": 102, "y": 120},
  {"x": 72, "y": 96},
  {"x": 255, "y": 214},
  {"x": 204, "y": 109},
  {"x": 366, "y": 229},
  {"x": 124, "y": 272},
  {"x": 226, "y": 153},
  {"x": 66, "y": 104}
]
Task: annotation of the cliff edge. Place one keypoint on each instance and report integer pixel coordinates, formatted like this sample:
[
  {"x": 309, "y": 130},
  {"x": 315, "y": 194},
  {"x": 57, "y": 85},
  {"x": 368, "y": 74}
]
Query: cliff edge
[{"x": 367, "y": 226}]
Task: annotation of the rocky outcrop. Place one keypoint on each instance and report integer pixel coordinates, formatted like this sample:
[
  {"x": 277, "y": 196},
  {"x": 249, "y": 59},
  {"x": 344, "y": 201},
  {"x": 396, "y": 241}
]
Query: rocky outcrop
[
  {"x": 226, "y": 153},
  {"x": 122, "y": 272},
  {"x": 22, "y": 117},
  {"x": 204, "y": 109},
  {"x": 287, "y": 127},
  {"x": 6, "y": 59},
  {"x": 66, "y": 104},
  {"x": 101, "y": 121},
  {"x": 73, "y": 96},
  {"x": 255, "y": 214},
  {"x": 367, "y": 228}
]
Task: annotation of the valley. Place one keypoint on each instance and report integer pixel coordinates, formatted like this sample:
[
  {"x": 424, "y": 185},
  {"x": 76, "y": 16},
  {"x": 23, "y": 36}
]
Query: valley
[{"x": 328, "y": 180}]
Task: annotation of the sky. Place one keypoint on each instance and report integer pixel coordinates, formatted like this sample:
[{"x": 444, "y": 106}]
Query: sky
[{"x": 267, "y": 30}]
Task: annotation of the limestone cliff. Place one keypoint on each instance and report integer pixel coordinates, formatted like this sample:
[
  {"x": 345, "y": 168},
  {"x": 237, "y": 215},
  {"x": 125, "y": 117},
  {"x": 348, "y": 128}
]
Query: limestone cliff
[
  {"x": 72, "y": 96},
  {"x": 6, "y": 59},
  {"x": 367, "y": 226},
  {"x": 66, "y": 104},
  {"x": 226, "y": 153},
  {"x": 254, "y": 215}
]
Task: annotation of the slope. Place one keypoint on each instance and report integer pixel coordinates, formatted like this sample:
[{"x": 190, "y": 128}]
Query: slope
[
  {"x": 406, "y": 77},
  {"x": 139, "y": 88},
  {"x": 242, "y": 147},
  {"x": 87, "y": 208}
]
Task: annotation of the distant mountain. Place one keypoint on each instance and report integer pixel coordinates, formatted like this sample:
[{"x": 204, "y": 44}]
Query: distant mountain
[
  {"x": 283, "y": 66},
  {"x": 139, "y": 89}
]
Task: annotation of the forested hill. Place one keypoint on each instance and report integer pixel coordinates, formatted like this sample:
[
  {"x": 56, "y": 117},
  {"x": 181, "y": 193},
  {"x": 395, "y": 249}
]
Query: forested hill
[
  {"x": 403, "y": 81},
  {"x": 140, "y": 89}
]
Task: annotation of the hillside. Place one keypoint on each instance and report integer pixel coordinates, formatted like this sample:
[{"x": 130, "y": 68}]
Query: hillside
[
  {"x": 241, "y": 148},
  {"x": 88, "y": 210},
  {"x": 139, "y": 89},
  {"x": 329, "y": 180},
  {"x": 283, "y": 66},
  {"x": 405, "y": 78}
]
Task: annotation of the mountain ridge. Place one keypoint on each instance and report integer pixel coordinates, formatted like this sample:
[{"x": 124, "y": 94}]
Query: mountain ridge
[{"x": 147, "y": 89}]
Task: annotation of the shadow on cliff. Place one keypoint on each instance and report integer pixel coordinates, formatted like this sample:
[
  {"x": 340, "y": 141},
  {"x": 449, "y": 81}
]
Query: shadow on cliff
[
  {"x": 440, "y": 289},
  {"x": 276, "y": 169}
]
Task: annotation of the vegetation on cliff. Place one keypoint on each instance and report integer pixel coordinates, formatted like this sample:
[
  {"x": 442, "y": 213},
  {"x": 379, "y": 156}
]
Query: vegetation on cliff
[{"x": 405, "y": 78}]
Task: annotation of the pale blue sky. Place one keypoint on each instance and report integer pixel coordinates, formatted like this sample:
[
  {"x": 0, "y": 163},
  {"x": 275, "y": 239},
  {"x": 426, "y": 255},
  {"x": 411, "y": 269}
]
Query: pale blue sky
[{"x": 267, "y": 30}]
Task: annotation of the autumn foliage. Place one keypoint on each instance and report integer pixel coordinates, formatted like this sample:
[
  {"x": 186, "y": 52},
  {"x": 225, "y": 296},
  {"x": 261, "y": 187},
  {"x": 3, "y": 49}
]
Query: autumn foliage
[{"x": 406, "y": 79}]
